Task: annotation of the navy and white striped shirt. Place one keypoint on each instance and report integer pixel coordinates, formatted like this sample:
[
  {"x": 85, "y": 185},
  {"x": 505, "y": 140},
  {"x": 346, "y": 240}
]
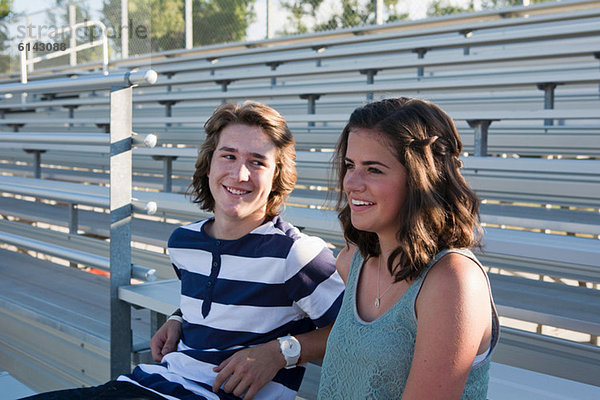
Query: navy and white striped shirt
[{"x": 270, "y": 283}]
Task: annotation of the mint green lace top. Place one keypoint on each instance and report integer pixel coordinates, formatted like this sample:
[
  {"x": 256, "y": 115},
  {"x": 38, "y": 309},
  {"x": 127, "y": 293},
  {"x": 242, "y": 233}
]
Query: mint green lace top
[{"x": 371, "y": 360}]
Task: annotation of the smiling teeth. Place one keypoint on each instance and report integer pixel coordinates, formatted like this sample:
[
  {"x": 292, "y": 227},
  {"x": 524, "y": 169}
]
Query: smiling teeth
[
  {"x": 362, "y": 203},
  {"x": 234, "y": 191}
]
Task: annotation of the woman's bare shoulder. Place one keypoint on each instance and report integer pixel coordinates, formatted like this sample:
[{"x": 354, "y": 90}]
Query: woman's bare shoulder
[
  {"x": 343, "y": 261},
  {"x": 454, "y": 281}
]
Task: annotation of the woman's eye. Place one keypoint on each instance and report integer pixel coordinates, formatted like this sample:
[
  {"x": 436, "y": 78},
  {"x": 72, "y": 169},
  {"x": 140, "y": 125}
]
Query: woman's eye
[
  {"x": 229, "y": 157},
  {"x": 349, "y": 166},
  {"x": 375, "y": 170}
]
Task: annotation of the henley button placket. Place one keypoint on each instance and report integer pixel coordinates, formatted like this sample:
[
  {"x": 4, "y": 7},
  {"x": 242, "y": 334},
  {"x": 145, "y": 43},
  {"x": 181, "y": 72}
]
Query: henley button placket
[{"x": 210, "y": 284}]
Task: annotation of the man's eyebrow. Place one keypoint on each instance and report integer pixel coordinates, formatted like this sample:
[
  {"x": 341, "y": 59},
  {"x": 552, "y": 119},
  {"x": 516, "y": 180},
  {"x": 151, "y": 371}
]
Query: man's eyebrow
[
  {"x": 234, "y": 150},
  {"x": 367, "y": 163},
  {"x": 258, "y": 155}
]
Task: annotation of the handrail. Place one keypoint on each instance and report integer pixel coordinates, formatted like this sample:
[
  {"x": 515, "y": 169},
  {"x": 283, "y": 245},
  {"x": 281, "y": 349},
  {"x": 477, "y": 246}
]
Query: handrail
[
  {"x": 19, "y": 186},
  {"x": 81, "y": 83},
  {"x": 71, "y": 139},
  {"x": 103, "y": 41},
  {"x": 92, "y": 260}
]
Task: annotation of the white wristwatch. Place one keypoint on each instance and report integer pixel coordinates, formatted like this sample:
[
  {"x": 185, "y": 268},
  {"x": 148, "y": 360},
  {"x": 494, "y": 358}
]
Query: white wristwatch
[{"x": 290, "y": 348}]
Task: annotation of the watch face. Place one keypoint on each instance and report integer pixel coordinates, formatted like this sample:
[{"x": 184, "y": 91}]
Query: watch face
[{"x": 290, "y": 348}]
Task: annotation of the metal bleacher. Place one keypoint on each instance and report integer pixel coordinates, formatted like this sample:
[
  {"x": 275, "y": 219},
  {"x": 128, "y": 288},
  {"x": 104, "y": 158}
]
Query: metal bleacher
[{"x": 522, "y": 90}]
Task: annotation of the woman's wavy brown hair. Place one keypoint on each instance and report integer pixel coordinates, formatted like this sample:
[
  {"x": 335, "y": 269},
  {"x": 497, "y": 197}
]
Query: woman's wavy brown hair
[
  {"x": 273, "y": 125},
  {"x": 440, "y": 210}
]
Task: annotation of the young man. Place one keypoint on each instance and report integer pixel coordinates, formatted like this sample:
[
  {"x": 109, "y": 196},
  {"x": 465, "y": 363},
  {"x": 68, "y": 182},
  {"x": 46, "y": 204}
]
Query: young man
[{"x": 253, "y": 288}]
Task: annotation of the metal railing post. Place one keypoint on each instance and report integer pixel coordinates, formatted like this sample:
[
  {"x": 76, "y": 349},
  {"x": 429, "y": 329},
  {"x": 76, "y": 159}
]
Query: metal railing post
[
  {"x": 189, "y": 26},
  {"x": 379, "y": 12},
  {"x": 73, "y": 38},
  {"x": 124, "y": 30},
  {"x": 29, "y": 50},
  {"x": 269, "y": 20},
  {"x": 120, "y": 227}
]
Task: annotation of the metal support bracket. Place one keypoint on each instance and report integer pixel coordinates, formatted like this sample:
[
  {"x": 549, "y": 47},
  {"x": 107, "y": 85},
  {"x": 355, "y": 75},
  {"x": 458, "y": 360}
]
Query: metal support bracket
[
  {"x": 167, "y": 171},
  {"x": 37, "y": 161},
  {"x": 274, "y": 66},
  {"x": 168, "y": 108},
  {"x": 548, "y": 89},
  {"x": 312, "y": 104},
  {"x": 481, "y": 135},
  {"x": 370, "y": 73},
  {"x": 420, "y": 54}
]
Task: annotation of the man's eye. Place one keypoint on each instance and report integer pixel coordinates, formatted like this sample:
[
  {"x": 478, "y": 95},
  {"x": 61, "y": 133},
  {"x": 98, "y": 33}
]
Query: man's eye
[
  {"x": 258, "y": 163},
  {"x": 229, "y": 157}
]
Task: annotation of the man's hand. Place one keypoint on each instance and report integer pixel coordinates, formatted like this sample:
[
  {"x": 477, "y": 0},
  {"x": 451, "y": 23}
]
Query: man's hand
[
  {"x": 165, "y": 339},
  {"x": 248, "y": 370}
]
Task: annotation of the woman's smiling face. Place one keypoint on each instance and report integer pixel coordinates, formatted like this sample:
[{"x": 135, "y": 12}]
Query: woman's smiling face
[{"x": 375, "y": 182}]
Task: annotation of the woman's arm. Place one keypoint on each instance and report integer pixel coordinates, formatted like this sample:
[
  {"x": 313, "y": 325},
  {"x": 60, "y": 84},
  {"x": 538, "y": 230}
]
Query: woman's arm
[{"x": 453, "y": 326}]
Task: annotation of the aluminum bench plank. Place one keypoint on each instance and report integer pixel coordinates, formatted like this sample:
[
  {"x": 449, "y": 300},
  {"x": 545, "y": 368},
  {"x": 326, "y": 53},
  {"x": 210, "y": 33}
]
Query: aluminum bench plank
[
  {"x": 533, "y": 300},
  {"x": 507, "y": 382},
  {"x": 160, "y": 296},
  {"x": 516, "y": 297},
  {"x": 91, "y": 223},
  {"x": 549, "y": 355},
  {"x": 55, "y": 323},
  {"x": 11, "y": 388},
  {"x": 77, "y": 302}
]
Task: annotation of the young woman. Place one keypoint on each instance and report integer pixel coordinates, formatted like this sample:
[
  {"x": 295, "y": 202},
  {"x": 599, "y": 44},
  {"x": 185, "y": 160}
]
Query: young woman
[{"x": 417, "y": 319}]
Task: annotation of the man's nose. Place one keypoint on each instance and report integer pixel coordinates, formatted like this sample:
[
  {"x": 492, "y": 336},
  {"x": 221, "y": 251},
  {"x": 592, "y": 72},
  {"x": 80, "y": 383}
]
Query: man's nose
[{"x": 241, "y": 172}]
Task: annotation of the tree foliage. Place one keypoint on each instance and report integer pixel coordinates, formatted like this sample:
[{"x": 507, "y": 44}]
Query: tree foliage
[
  {"x": 443, "y": 7},
  {"x": 5, "y": 11},
  {"x": 58, "y": 17},
  {"x": 222, "y": 21},
  {"x": 353, "y": 13},
  {"x": 5, "y": 8},
  {"x": 491, "y": 4},
  {"x": 159, "y": 25}
]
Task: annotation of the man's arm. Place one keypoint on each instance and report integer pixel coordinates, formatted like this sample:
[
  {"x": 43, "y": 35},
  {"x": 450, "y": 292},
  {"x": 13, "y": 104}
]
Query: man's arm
[
  {"x": 166, "y": 338},
  {"x": 248, "y": 370}
]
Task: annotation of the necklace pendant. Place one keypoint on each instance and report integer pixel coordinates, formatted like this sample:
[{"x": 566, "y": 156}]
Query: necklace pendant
[{"x": 376, "y": 302}]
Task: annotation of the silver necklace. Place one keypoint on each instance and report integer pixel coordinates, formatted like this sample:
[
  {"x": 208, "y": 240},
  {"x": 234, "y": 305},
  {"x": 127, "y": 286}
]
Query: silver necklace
[{"x": 379, "y": 296}]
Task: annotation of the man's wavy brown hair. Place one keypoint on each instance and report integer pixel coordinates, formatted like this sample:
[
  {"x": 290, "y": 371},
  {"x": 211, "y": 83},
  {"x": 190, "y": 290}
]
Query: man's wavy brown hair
[
  {"x": 440, "y": 210},
  {"x": 273, "y": 125}
]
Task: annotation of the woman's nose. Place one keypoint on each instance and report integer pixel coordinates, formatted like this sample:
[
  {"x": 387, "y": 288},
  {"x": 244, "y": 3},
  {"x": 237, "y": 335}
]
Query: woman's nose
[{"x": 353, "y": 181}]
